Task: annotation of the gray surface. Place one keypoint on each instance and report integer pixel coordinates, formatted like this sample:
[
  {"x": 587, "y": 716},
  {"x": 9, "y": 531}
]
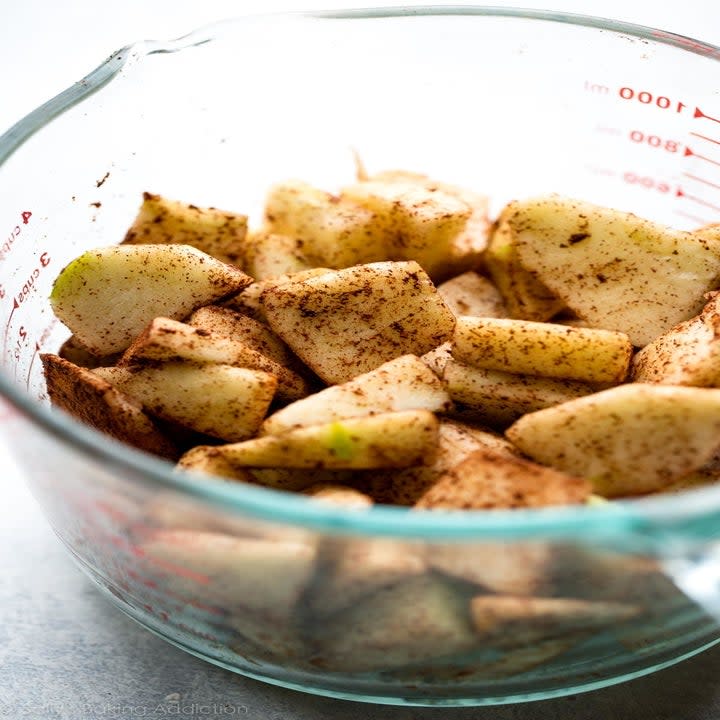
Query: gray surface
[{"x": 65, "y": 652}]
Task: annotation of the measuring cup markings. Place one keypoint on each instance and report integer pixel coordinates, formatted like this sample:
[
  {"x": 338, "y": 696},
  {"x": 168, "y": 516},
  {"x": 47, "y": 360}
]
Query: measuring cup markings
[
  {"x": 694, "y": 198},
  {"x": 32, "y": 362},
  {"x": 29, "y": 284},
  {"x": 644, "y": 97},
  {"x": 37, "y": 347},
  {"x": 597, "y": 88},
  {"x": 13, "y": 235},
  {"x": 700, "y": 114},
  {"x": 699, "y": 153},
  {"x": 701, "y": 180},
  {"x": 21, "y": 339},
  {"x": 691, "y": 153},
  {"x": 647, "y": 182},
  {"x": 707, "y": 164},
  {"x": 16, "y": 305},
  {"x": 704, "y": 137},
  {"x": 654, "y": 141},
  {"x": 24, "y": 343}
]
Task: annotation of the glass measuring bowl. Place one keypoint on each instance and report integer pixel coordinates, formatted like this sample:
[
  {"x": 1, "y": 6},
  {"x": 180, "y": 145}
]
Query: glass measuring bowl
[{"x": 370, "y": 605}]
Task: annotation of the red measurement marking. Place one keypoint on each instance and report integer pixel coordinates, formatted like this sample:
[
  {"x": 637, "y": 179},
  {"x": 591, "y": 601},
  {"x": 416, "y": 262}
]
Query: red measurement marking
[
  {"x": 700, "y": 114},
  {"x": 13, "y": 236},
  {"x": 32, "y": 360},
  {"x": 29, "y": 284},
  {"x": 702, "y": 180},
  {"x": 689, "y": 153},
  {"x": 646, "y": 182},
  {"x": 179, "y": 570},
  {"x": 596, "y": 88},
  {"x": 122, "y": 544},
  {"x": 654, "y": 141},
  {"x": 16, "y": 305},
  {"x": 703, "y": 137},
  {"x": 694, "y": 218},
  {"x": 695, "y": 199},
  {"x": 112, "y": 512},
  {"x": 647, "y": 98},
  {"x": 167, "y": 593},
  {"x": 147, "y": 582}
]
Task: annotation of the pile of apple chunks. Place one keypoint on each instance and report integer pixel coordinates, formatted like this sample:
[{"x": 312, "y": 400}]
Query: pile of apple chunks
[
  {"x": 389, "y": 344},
  {"x": 383, "y": 339}
]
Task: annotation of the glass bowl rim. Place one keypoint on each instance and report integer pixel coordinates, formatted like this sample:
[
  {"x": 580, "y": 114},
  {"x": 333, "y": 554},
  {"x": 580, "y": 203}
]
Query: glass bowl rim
[{"x": 277, "y": 506}]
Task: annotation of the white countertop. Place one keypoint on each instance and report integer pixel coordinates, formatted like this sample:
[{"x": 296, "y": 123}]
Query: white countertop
[{"x": 65, "y": 652}]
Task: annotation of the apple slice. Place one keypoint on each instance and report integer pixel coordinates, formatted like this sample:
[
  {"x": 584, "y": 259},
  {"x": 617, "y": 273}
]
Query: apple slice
[
  {"x": 500, "y": 398},
  {"x": 613, "y": 269},
  {"x": 545, "y": 349},
  {"x": 628, "y": 440},
  {"x": 402, "y": 384},
  {"x": 338, "y": 495},
  {"x": 107, "y": 296},
  {"x": 231, "y": 572},
  {"x": 74, "y": 351},
  {"x": 455, "y": 442},
  {"x": 248, "y": 302},
  {"x": 512, "y": 568},
  {"x": 465, "y": 250},
  {"x": 423, "y": 222},
  {"x": 524, "y": 295},
  {"x": 347, "y": 322},
  {"x": 350, "y": 569},
  {"x": 335, "y": 232},
  {"x": 399, "y": 439},
  {"x": 95, "y": 402},
  {"x": 473, "y": 294},
  {"x": 509, "y": 621},
  {"x": 487, "y": 480},
  {"x": 165, "y": 339},
  {"x": 219, "y": 400},
  {"x": 268, "y": 255},
  {"x": 421, "y": 619},
  {"x": 689, "y": 354},
  {"x": 255, "y": 583},
  {"x": 235, "y": 325},
  {"x": 215, "y": 232}
]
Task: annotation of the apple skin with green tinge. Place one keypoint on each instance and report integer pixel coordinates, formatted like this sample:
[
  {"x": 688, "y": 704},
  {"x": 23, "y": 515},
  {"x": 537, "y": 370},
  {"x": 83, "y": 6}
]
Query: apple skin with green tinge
[{"x": 107, "y": 296}]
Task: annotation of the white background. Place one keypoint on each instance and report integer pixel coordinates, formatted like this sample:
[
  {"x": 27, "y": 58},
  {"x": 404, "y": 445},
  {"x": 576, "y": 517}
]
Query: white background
[{"x": 46, "y": 45}]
